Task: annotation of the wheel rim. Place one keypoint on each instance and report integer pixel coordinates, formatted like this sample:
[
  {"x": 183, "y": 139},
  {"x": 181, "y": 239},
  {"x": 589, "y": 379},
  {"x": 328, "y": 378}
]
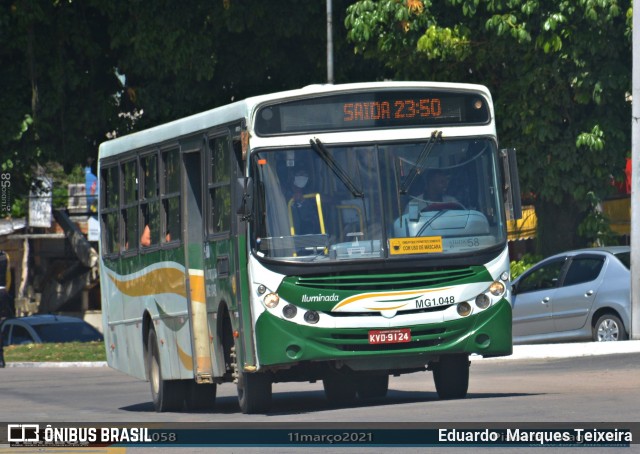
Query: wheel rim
[
  {"x": 155, "y": 376},
  {"x": 608, "y": 331}
]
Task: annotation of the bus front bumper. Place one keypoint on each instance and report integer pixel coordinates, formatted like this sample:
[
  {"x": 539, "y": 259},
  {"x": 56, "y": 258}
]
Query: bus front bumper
[{"x": 488, "y": 333}]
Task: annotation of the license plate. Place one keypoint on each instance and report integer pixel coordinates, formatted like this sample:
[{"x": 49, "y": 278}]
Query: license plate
[{"x": 390, "y": 336}]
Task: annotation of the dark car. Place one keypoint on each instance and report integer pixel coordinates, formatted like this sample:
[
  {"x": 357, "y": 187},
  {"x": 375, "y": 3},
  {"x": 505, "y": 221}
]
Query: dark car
[
  {"x": 47, "y": 328},
  {"x": 573, "y": 296}
]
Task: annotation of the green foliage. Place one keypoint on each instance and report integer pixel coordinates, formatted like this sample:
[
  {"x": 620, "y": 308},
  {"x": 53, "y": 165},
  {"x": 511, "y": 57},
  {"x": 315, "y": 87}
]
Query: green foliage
[
  {"x": 68, "y": 351},
  {"x": 76, "y": 73},
  {"x": 595, "y": 226},
  {"x": 593, "y": 140},
  {"x": 443, "y": 43},
  {"x": 520, "y": 266},
  {"x": 559, "y": 72},
  {"x": 19, "y": 208}
]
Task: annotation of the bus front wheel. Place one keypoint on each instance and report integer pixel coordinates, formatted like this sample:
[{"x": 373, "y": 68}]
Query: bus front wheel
[
  {"x": 373, "y": 386},
  {"x": 451, "y": 376},
  {"x": 340, "y": 389},
  {"x": 254, "y": 392},
  {"x": 254, "y": 389},
  {"x": 168, "y": 395}
]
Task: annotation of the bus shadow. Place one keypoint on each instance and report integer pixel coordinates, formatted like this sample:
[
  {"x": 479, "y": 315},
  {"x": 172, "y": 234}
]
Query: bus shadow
[
  {"x": 299, "y": 402},
  {"x": 315, "y": 401}
]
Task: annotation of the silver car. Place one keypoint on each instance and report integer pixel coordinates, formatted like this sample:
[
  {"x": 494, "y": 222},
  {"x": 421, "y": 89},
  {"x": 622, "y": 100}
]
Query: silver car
[{"x": 574, "y": 296}]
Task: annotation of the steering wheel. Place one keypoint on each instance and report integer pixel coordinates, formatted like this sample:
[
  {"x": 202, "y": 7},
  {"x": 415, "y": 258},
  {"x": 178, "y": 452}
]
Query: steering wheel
[{"x": 439, "y": 206}]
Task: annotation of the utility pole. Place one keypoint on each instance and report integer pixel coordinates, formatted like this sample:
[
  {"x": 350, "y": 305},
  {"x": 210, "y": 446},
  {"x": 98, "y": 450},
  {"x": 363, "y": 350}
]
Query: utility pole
[
  {"x": 634, "y": 329},
  {"x": 329, "y": 43}
]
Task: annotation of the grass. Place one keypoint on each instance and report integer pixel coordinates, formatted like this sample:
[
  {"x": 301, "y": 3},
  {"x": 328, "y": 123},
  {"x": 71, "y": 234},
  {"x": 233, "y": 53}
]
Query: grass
[{"x": 69, "y": 351}]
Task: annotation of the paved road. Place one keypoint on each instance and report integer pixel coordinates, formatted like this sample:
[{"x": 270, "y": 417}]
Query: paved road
[
  {"x": 538, "y": 351},
  {"x": 567, "y": 383}
]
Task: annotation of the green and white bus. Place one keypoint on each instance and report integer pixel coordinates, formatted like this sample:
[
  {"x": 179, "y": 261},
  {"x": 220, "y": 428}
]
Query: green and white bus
[{"x": 291, "y": 237}]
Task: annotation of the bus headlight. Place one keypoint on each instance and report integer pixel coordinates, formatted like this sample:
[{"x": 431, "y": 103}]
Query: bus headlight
[
  {"x": 261, "y": 289},
  {"x": 289, "y": 311},
  {"x": 496, "y": 288},
  {"x": 271, "y": 300},
  {"x": 483, "y": 301},
  {"x": 311, "y": 317},
  {"x": 464, "y": 308}
]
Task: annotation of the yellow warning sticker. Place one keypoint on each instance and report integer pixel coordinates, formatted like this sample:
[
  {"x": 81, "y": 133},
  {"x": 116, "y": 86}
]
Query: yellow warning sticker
[{"x": 420, "y": 245}]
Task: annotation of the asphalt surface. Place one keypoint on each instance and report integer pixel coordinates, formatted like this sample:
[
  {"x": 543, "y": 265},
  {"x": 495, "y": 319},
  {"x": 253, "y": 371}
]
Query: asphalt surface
[
  {"x": 568, "y": 350},
  {"x": 520, "y": 352}
]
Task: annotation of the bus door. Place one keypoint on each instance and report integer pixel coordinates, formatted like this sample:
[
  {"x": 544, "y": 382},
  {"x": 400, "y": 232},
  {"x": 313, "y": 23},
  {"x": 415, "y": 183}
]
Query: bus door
[
  {"x": 220, "y": 256},
  {"x": 193, "y": 234}
]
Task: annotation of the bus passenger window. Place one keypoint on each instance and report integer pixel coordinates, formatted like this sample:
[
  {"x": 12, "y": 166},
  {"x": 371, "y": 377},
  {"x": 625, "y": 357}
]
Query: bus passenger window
[
  {"x": 220, "y": 209},
  {"x": 171, "y": 195},
  {"x": 130, "y": 217},
  {"x": 150, "y": 204},
  {"x": 151, "y": 225},
  {"x": 130, "y": 199},
  {"x": 109, "y": 231},
  {"x": 171, "y": 209},
  {"x": 219, "y": 185},
  {"x": 110, "y": 201}
]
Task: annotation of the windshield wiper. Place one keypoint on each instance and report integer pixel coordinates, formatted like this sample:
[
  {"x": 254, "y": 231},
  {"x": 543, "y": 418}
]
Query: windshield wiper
[
  {"x": 333, "y": 165},
  {"x": 422, "y": 158},
  {"x": 430, "y": 221}
]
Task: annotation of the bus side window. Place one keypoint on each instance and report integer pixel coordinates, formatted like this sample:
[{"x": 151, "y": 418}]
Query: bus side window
[
  {"x": 110, "y": 199},
  {"x": 149, "y": 203},
  {"x": 171, "y": 195},
  {"x": 151, "y": 225},
  {"x": 219, "y": 185},
  {"x": 130, "y": 204}
]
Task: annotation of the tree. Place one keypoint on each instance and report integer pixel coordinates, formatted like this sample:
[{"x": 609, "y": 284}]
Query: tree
[
  {"x": 559, "y": 72},
  {"x": 58, "y": 85},
  {"x": 181, "y": 58},
  {"x": 78, "y": 72}
]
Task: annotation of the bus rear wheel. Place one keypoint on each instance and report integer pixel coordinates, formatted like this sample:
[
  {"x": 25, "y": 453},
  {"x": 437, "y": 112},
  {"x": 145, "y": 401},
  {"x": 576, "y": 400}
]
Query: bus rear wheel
[
  {"x": 168, "y": 395},
  {"x": 451, "y": 376},
  {"x": 200, "y": 396}
]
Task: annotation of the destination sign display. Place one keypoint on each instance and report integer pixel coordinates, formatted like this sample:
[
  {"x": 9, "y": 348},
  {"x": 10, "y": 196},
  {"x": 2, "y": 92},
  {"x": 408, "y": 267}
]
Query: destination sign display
[{"x": 372, "y": 110}]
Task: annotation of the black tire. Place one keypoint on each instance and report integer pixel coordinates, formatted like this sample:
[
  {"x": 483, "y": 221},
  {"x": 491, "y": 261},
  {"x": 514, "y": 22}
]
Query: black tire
[
  {"x": 200, "y": 396},
  {"x": 451, "y": 376},
  {"x": 340, "y": 389},
  {"x": 168, "y": 395},
  {"x": 254, "y": 392},
  {"x": 609, "y": 328},
  {"x": 373, "y": 386}
]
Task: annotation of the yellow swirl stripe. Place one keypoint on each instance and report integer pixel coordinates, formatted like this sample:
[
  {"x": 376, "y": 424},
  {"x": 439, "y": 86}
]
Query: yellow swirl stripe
[
  {"x": 185, "y": 358},
  {"x": 384, "y": 308},
  {"x": 377, "y": 296},
  {"x": 162, "y": 280}
]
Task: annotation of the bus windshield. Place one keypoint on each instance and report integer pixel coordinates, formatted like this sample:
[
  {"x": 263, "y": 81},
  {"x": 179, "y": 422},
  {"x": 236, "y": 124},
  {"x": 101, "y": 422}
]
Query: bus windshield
[{"x": 377, "y": 201}]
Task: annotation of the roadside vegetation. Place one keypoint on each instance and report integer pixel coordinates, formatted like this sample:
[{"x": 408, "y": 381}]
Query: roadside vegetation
[
  {"x": 69, "y": 351},
  {"x": 520, "y": 266}
]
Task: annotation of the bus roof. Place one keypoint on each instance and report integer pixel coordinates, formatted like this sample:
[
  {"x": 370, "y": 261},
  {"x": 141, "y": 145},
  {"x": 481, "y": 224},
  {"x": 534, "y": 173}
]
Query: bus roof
[{"x": 244, "y": 108}]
